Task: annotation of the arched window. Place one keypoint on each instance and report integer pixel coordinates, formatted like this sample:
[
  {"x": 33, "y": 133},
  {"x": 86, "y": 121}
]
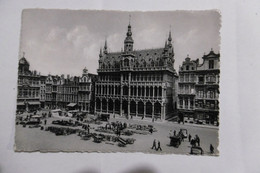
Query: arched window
[
  {"x": 160, "y": 62},
  {"x": 152, "y": 63},
  {"x": 144, "y": 64},
  {"x": 126, "y": 62}
]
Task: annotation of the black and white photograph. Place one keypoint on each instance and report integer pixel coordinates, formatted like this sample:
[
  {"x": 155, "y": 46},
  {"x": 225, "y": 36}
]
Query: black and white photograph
[{"x": 119, "y": 81}]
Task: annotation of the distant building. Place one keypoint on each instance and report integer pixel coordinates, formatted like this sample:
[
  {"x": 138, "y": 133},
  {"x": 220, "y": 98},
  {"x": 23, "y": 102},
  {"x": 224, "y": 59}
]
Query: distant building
[
  {"x": 42, "y": 90},
  {"x": 86, "y": 91},
  {"x": 28, "y": 90},
  {"x": 136, "y": 82},
  {"x": 71, "y": 92},
  {"x": 198, "y": 89},
  {"x": 37, "y": 91}
]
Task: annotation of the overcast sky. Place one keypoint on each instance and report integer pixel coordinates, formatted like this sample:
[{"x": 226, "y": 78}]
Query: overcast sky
[{"x": 66, "y": 41}]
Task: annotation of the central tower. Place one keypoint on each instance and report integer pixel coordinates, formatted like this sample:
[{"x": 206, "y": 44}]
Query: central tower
[{"x": 129, "y": 42}]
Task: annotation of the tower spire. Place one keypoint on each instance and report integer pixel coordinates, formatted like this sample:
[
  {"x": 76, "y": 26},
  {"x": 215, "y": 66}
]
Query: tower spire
[
  {"x": 165, "y": 46},
  {"x": 105, "y": 47},
  {"x": 128, "y": 43},
  {"x": 129, "y": 19},
  {"x": 100, "y": 53},
  {"x": 170, "y": 37}
]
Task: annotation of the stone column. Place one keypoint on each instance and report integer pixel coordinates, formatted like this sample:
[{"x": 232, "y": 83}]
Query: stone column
[
  {"x": 144, "y": 109},
  {"x": 152, "y": 110},
  {"x": 101, "y": 105},
  {"x": 136, "y": 113},
  {"x": 113, "y": 106},
  {"x": 128, "y": 109},
  {"x": 120, "y": 111},
  {"x": 162, "y": 111},
  {"x": 188, "y": 103},
  {"x": 121, "y": 91},
  {"x": 101, "y": 86}
]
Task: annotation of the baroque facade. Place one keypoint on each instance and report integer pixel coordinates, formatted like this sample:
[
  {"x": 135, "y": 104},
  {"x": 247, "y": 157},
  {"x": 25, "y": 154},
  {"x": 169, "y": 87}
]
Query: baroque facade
[
  {"x": 136, "y": 82},
  {"x": 28, "y": 90},
  {"x": 38, "y": 91},
  {"x": 71, "y": 92},
  {"x": 198, "y": 89}
]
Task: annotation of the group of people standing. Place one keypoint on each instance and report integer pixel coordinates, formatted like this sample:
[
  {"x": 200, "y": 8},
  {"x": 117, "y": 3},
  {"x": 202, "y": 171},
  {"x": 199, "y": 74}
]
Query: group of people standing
[
  {"x": 158, "y": 145},
  {"x": 195, "y": 141}
]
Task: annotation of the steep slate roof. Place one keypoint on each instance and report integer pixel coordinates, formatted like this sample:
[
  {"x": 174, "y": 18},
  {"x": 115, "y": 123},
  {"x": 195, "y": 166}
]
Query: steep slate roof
[{"x": 140, "y": 55}]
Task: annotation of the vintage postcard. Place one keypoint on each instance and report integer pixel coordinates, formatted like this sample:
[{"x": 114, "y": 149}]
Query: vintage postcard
[{"x": 119, "y": 81}]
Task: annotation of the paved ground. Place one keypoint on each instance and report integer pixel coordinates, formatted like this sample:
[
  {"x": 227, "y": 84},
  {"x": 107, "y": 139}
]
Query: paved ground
[{"x": 34, "y": 139}]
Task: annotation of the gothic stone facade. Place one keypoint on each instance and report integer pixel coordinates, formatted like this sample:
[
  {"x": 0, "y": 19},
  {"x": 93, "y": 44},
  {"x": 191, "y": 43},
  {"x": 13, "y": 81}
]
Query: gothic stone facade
[
  {"x": 198, "y": 89},
  {"x": 137, "y": 83}
]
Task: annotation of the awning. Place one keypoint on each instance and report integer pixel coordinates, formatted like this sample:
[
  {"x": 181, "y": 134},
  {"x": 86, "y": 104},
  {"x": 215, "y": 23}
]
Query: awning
[
  {"x": 72, "y": 104},
  {"x": 56, "y": 110},
  {"x": 34, "y": 103},
  {"x": 20, "y": 104}
]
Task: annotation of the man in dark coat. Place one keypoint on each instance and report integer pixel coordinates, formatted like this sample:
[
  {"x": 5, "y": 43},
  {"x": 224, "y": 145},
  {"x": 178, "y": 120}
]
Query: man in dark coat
[
  {"x": 211, "y": 149},
  {"x": 198, "y": 140},
  {"x": 159, "y": 146},
  {"x": 154, "y": 144},
  {"x": 189, "y": 137}
]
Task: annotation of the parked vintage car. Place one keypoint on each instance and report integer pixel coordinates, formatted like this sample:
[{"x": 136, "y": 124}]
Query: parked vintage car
[
  {"x": 62, "y": 123},
  {"x": 104, "y": 117},
  {"x": 196, "y": 150},
  {"x": 175, "y": 141}
]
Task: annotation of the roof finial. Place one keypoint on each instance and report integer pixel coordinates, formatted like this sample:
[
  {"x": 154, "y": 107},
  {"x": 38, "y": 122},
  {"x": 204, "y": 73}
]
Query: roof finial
[
  {"x": 170, "y": 36},
  {"x": 23, "y": 54},
  {"x": 129, "y": 19},
  {"x": 105, "y": 47}
]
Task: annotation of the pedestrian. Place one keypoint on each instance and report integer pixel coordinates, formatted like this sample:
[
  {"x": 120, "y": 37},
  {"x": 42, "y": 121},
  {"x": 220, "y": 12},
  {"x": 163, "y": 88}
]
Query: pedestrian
[
  {"x": 193, "y": 142},
  {"x": 159, "y": 146},
  {"x": 154, "y": 144},
  {"x": 174, "y": 133},
  {"x": 211, "y": 149},
  {"x": 198, "y": 140},
  {"x": 189, "y": 137},
  {"x": 151, "y": 130}
]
